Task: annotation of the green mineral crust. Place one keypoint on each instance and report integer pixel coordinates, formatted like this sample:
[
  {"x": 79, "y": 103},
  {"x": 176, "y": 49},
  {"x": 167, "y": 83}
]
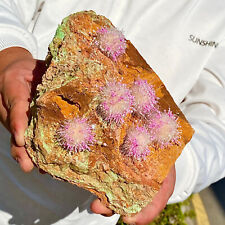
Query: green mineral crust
[{"x": 78, "y": 70}]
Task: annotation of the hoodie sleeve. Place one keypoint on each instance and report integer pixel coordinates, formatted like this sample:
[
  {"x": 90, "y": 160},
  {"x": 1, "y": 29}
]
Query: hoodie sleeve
[
  {"x": 15, "y": 18},
  {"x": 203, "y": 159}
]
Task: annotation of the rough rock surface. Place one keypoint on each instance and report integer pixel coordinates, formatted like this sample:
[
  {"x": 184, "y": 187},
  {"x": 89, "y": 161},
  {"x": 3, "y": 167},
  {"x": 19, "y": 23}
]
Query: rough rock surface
[{"x": 71, "y": 88}]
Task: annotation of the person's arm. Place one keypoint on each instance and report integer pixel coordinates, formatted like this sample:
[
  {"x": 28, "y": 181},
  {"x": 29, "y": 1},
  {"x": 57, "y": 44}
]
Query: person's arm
[
  {"x": 17, "y": 45},
  {"x": 202, "y": 161}
]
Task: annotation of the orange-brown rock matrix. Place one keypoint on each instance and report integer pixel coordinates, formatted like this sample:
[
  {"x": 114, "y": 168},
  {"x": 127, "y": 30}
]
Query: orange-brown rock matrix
[{"x": 101, "y": 118}]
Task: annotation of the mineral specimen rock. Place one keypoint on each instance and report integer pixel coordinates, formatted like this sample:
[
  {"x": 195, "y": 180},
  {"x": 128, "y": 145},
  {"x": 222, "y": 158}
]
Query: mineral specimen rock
[{"x": 101, "y": 118}]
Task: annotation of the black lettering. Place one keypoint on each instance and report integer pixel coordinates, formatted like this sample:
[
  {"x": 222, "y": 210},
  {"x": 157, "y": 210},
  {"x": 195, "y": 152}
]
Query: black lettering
[
  {"x": 192, "y": 37},
  {"x": 211, "y": 43},
  {"x": 197, "y": 41},
  {"x": 206, "y": 43},
  {"x": 201, "y": 42},
  {"x": 216, "y": 44}
]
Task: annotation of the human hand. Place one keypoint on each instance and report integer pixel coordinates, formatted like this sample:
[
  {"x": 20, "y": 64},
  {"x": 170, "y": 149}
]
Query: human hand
[
  {"x": 147, "y": 214},
  {"x": 17, "y": 70}
]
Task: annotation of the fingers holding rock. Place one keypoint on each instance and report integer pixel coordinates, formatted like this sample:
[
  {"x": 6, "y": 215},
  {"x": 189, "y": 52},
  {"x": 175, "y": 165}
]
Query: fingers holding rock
[
  {"x": 151, "y": 211},
  {"x": 18, "y": 120},
  {"x": 99, "y": 208},
  {"x": 20, "y": 155}
]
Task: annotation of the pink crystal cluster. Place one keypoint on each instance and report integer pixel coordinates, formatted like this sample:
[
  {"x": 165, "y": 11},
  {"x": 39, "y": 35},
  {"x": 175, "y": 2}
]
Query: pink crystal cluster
[
  {"x": 75, "y": 135},
  {"x": 144, "y": 95},
  {"x": 111, "y": 42},
  {"x": 163, "y": 127},
  {"x": 116, "y": 102},
  {"x": 136, "y": 143},
  {"x": 160, "y": 129}
]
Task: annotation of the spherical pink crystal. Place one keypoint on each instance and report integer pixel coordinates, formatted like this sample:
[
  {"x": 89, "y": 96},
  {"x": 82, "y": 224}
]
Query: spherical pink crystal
[
  {"x": 75, "y": 135},
  {"x": 136, "y": 143},
  {"x": 111, "y": 42},
  {"x": 116, "y": 102},
  {"x": 164, "y": 128},
  {"x": 144, "y": 96}
]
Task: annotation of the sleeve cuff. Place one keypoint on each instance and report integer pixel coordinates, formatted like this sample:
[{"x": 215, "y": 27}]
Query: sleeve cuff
[
  {"x": 15, "y": 37},
  {"x": 186, "y": 175}
]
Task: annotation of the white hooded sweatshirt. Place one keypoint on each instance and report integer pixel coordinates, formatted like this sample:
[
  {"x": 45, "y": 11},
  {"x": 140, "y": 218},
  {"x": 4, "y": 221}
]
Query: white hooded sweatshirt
[{"x": 182, "y": 40}]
